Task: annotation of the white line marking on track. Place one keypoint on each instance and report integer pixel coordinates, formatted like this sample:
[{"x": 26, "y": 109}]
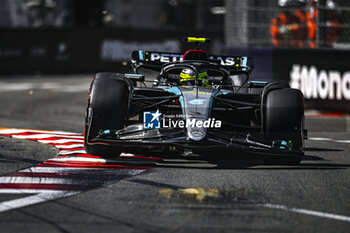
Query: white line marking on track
[
  {"x": 8, "y": 86},
  {"x": 82, "y": 159},
  {"x": 82, "y": 170},
  {"x": 329, "y": 139},
  {"x": 59, "y": 141},
  {"x": 42, "y": 136},
  {"x": 343, "y": 141},
  {"x": 69, "y": 146},
  {"x": 320, "y": 139},
  {"x": 43, "y": 180},
  {"x": 93, "y": 160},
  {"x": 51, "y": 181},
  {"x": 35, "y": 199},
  {"x": 307, "y": 212},
  {"x": 18, "y": 131},
  {"x": 27, "y": 191},
  {"x": 72, "y": 152}
]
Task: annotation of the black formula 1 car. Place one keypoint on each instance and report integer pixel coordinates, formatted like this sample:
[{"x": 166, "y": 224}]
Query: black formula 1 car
[{"x": 179, "y": 113}]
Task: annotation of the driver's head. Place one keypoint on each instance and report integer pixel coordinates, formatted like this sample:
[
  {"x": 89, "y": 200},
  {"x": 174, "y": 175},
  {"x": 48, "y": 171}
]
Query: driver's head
[{"x": 188, "y": 77}]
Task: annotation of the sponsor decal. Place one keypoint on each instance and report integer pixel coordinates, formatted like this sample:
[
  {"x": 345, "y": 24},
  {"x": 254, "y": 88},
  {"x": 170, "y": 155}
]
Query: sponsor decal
[
  {"x": 193, "y": 92},
  {"x": 197, "y": 101},
  {"x": 164, "y": 57},
  {"x": 151, "y": 120},
  {"x": 226, "y": 61},
  {"x": 322, "y": 84},
  {"x": 173, "y": 57}
]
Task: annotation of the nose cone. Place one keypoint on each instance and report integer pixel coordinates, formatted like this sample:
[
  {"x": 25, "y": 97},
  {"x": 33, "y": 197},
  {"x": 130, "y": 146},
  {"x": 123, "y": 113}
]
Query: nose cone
[
  {"x": 196, "y": 133},
  {"x": 196, "y": 108}
]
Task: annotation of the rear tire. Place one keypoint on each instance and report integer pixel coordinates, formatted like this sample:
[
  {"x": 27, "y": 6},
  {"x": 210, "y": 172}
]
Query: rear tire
[
  {"x": 284, "y": 114},
  {"x": 106, "y": 109}
]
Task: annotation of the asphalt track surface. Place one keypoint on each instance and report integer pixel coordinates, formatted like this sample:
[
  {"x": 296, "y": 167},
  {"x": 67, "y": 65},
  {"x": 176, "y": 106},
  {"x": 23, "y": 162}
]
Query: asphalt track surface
[{"x": 186, "y": 194}]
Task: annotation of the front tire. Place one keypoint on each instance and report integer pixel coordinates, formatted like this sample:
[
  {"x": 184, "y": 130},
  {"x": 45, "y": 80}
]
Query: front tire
[
  {"x": 106, "y": 109},
  {"x": 284, "y": 115}
]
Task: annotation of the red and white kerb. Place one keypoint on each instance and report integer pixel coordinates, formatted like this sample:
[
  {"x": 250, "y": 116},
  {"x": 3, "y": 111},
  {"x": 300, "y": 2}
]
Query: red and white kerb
[{"x": 72, "y": 171}]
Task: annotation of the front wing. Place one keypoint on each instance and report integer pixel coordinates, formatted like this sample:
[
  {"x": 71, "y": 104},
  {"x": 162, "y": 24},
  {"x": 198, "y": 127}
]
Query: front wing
[{"x": 176, "y": 138}]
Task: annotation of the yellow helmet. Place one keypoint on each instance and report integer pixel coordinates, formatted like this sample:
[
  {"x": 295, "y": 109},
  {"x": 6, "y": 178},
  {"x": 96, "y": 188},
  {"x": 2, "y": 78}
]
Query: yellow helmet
[{"x": 188, "y": 77}]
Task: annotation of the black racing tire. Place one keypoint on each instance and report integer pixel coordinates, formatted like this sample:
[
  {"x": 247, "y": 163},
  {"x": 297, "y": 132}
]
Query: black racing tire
[
  {"x": 257, "y": 90},
  {"x": 284, "y": 116},
  {"x": 106, "y": 109}
]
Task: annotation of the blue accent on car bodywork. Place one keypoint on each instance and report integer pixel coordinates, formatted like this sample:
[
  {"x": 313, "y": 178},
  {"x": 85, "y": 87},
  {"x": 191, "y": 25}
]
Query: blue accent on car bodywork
[
  {"x": 245, "y": 60},
  {"x": 181, "y": 100},
  {"x": 222, "y": 93},
  {"x": 176, "y": 91},
  {"x": 244, "y": 63},
  {"x": 282, "y": 147},
  {"x": 284, "y": 143},
  {"x": 141, "y": 55},
  {"x": 134, "y": 75},
  {"x": 173, "y": 90},
  {"x": 258, "y": 82}
]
